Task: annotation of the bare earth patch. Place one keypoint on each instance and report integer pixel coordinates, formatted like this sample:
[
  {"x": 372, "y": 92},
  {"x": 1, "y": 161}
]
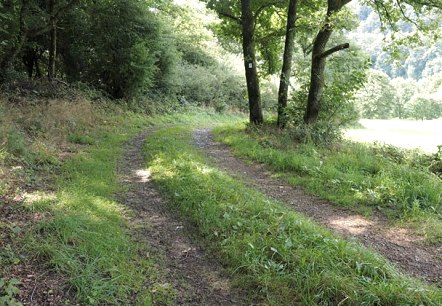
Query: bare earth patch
[
  {"x": 399, "y": 245},
  {"x": 198, "y": 279},
  {"x": 39, "y": 285}
]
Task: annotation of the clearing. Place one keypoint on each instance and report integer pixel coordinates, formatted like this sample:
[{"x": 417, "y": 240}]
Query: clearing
[{"x": 409, "y": 134}]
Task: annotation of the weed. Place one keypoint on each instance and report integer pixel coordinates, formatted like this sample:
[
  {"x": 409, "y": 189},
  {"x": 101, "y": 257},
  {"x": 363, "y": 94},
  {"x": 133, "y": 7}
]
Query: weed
[
  {"x": 80, "y": 139},
  {"x": 8, "y": 290},
  {"x": 16, "y": 144},
  {"x": 8, "y": 256},
  {"x": 163, "y": 294}
]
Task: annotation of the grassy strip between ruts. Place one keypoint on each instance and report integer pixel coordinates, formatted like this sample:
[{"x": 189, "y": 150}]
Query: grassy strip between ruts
[
  {"x": 85, "y": 236},
  {"x": 350, "y": 174},
  {"x": 277, "y": 255}
]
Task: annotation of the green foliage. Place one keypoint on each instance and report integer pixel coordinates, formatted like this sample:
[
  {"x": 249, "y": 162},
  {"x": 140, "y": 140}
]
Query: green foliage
[
  {"x": 375, "y": 98},
  {"x": 421, "y": 108},
  {"x": 8, "y": 289},
  {"x": 80, "y": 138},
  {"x": 16, "y": 144},
  {"x": 213, "y": 86},
  {"x": 405, "y": 89},
  {"x": 344, "y": 75},
  {"x": 436, "y": 162},
  {"x": 86, "y": 237},
  {"x": 118, "y": 46},
  {"x": 348, "y": 174},
  {"x": 279, "y": 256}
]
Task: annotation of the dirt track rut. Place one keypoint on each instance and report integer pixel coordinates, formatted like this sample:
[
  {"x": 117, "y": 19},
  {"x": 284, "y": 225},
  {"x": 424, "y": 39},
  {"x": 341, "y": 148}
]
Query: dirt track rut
[
  {"x": 397, "y": 244},
  {"x": 198, "y": 279}
]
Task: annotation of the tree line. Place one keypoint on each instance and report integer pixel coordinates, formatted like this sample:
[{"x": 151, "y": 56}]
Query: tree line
[
  {"x": 133, "y": 48},
  {"x": 311, "y": 24}
]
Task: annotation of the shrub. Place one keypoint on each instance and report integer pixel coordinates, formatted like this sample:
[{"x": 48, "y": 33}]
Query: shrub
[
  {"x": 422, "y": 108},
  {"x": 214, "y": 86}
]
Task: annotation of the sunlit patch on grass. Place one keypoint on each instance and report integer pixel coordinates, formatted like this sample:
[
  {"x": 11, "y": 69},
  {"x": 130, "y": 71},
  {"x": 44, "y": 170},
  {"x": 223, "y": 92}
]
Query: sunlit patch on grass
[
  {"x": 392, "y": 181},
  {"x": 203, "y": 169},
  {"x": 143, "y": 175},
  {"x": 36, "y": 196},
  {"x": 86, "y": 236}
]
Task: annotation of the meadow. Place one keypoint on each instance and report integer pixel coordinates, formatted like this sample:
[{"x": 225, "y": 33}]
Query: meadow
[{"x": 408, "y": 134}]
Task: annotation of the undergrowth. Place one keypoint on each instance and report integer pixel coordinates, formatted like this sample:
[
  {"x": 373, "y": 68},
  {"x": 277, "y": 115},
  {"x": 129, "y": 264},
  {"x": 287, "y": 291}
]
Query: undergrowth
[
  {"x": 366, "y": 178},
  {"x": 278, "y": 255}
]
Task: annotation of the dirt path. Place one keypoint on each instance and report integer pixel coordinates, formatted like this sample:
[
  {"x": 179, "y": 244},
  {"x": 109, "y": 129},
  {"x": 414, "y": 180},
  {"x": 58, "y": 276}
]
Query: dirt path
[
  {"x": 397, "y": 244},
  {"x": 184, "y": 265}
]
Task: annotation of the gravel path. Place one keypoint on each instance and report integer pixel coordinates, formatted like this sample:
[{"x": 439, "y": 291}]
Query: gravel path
[{"x": 397, "y": 244}]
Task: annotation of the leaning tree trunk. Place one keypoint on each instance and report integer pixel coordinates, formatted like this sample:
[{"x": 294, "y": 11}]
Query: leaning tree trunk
[
  {"x": 248, "y": 29},
  {"x": 319, "y": 56},
  {"x": 287, "y": 63},
  {"x": 317, "y": 75}
]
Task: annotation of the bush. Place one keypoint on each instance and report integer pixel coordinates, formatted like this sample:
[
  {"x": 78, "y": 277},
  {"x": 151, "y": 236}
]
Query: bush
[
  {"x": 119, "y": 47},
  {"x": 422, "y": 108},
  {"x": 215, "y": 86},
  {"x": 436, "y": 163}
]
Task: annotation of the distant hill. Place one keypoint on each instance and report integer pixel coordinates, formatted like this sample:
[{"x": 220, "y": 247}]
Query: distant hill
[{"x": 415, "y": 63}]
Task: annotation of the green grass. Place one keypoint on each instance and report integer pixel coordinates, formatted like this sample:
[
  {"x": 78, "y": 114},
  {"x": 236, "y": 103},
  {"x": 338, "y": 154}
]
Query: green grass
[
  {"x": 280, "y": 257},
  {"x": 86, "y": 237},
  {"x": 349, "y": 174},
  {"x": 197, "y": 117}
]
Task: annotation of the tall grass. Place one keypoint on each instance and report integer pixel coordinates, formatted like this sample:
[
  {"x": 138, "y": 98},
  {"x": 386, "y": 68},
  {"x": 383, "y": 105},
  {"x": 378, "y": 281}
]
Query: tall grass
[
  {"x": 280, "y": 257},
  {"x": 86, "y": 237},
  {"x": 364, "y": 178}
]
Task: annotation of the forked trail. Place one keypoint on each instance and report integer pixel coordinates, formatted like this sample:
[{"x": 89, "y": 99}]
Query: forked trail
[
  {"x": 397, "y": 244},
  {"x": 185, "y": 267}
]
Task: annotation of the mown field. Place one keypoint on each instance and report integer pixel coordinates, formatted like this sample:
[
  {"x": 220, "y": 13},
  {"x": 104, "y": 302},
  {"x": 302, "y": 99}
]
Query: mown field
[{"x": 410, "y": 134}]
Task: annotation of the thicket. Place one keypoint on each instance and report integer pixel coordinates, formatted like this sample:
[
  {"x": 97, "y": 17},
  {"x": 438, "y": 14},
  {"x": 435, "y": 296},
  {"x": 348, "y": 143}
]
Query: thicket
[
  {"x": 132, "y": 51},
  {"x": 385, "y": 98}
]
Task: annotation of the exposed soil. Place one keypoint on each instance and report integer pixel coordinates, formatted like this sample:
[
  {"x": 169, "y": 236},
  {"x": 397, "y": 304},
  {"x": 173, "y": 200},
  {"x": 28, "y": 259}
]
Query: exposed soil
[
  {"x": 39, "y": 285},
  {"x": 399, "y": 245},
  {"x": 198, "y": 279}
]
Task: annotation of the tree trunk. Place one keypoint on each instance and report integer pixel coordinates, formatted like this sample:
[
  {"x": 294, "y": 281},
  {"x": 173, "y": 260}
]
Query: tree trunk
[
  {"x": 319, "y": 56},
  {"x": 53, "y": 41},
  {"x": 287, "y": 63},
  {"x": 317, "y": 75},
  {"x": 248, "y": 29},
  {"x": 29, "y": 59}
]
